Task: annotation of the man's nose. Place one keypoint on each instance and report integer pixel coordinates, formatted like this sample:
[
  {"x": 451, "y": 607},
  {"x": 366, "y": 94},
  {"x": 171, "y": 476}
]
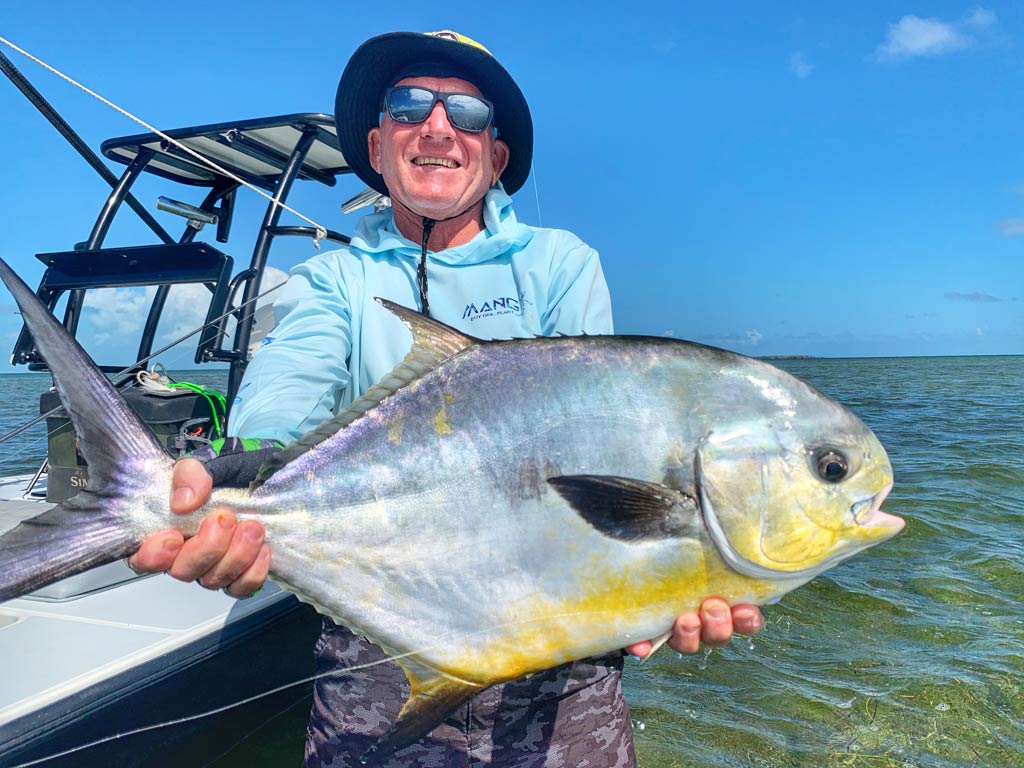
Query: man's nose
[{"x": 437, "y": 123}]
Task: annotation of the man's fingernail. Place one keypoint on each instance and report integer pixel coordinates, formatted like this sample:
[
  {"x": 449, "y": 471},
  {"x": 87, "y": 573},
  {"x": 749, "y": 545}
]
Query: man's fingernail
[
  {"x": 718, "y": 611},
  {"x": 171, "y": 544},
  {"x": 252, "y": 532},
  {"x": 182, "y": 497},
  {"x": 227, "y": 522}
]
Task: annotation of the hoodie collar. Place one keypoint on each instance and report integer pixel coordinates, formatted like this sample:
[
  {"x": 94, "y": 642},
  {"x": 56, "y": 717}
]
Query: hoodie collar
[{"x": 377, "y": 233}]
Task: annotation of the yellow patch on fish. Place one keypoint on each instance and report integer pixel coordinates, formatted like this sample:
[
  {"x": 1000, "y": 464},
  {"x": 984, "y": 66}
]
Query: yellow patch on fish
[
  {"x": 541, "y": 633},
  {"x": 513, "y": 655},
  {"x": 441, "y": 425}
]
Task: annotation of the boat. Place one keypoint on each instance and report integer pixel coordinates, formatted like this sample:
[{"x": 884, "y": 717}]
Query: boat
[{"x": 108, "y": 652}]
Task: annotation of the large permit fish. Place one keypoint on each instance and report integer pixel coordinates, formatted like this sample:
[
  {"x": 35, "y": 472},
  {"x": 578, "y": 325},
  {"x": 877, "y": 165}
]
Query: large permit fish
[{"x": 492, "y": 509}]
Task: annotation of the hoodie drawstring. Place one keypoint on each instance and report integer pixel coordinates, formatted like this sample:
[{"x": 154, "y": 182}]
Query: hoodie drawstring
[{"x": 421, "y": 272}]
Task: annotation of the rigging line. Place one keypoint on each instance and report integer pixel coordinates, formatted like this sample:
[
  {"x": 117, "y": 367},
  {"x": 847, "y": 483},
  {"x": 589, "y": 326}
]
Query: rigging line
[
  {"x": 210, "y": 712},
  {"x": 320, "y": 232},
  {"x": 536, "y": 193},
  {"x": 143, "y": 361},
  {"x": 308, "y": 679}
]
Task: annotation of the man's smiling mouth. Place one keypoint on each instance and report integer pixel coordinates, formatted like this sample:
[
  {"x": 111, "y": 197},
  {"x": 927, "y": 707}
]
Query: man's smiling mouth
[{"x": 441, "y": 161}]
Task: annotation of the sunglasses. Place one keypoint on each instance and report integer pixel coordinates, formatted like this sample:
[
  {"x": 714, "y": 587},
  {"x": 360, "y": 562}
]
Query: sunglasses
[{"x": 413, "y": 104}]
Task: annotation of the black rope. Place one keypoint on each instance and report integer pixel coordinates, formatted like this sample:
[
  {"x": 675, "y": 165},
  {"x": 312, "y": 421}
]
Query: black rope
[{"x": 421, "y": 273}]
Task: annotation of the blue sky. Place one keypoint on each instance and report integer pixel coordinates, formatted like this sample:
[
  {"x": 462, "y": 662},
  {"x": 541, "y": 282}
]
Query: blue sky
[{"x": 817, "y": 178}]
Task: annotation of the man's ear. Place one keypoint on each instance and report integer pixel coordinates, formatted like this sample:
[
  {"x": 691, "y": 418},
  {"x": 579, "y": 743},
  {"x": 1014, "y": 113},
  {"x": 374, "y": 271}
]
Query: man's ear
[
  {"x": 373, "y": 144},
  {"x": 499, "y": 158}
]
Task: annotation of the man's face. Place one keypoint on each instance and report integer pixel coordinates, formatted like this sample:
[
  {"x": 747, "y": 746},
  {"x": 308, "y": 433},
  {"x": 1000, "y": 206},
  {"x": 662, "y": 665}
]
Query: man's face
[{"x": 432, "y": 167}]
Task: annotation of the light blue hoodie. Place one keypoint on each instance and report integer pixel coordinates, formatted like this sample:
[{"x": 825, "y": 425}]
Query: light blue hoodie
[{"x": 332, "y": 341}]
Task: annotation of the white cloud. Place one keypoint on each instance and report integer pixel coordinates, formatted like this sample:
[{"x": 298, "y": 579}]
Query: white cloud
[
  {"x": 271, "y": 277},
  {"x": 976, "y": 297},
  {"x": 1012, "y": 227},
  {"x": 799, "y": 66},
  {"x": 116, "y": 315},
  {"x": 981, "y": 17},
  {"x": 184, "y": 312},
  {"x": 273, "y": 283},
  {"x": 744, "y": 339},
  {"x": 914, "y": 36}
]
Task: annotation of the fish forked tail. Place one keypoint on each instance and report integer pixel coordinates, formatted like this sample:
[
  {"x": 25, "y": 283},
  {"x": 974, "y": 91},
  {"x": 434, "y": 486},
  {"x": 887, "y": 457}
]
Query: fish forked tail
[{"x": 92, "y": 528}]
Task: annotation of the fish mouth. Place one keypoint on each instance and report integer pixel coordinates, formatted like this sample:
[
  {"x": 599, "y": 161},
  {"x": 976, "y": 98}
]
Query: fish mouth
[
  {"x": 868, "y": 513},
  {"x": 878, "y": 526}
]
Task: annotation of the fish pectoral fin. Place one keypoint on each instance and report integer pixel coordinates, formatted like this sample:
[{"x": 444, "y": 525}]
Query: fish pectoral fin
[
  {"x": 433, "y": 696},
  {"x": 629, "y": 510}
]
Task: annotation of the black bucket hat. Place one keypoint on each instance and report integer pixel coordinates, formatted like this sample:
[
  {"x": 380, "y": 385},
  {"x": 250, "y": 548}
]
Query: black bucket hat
[{"x": 380, "y": 61}]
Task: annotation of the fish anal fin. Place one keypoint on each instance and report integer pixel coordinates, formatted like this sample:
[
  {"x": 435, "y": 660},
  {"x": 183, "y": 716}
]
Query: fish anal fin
[
  {"x": 432, "y": 697},
  {"x": 656, "y": 643},
  {"x": 629, "y": 510}
]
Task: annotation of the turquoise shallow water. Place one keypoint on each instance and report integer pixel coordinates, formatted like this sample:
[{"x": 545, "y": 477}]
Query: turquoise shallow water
[{"x": 909, "y": 655}]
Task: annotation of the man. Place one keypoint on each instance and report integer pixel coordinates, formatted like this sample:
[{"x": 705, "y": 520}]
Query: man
[{"x": 437, "y": 124}]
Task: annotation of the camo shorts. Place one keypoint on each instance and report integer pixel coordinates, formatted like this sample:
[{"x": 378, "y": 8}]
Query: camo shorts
[{"x": 573, "y": 716}]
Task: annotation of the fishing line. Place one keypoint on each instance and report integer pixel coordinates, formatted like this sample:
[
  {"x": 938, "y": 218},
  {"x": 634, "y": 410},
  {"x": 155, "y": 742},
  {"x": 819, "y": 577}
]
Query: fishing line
[
  {"x": 320, "y": 232},
  {"x": 208, "y": 713},
  {"x": 287, "y": 686},
  {"x": 536, "y": 193},
  {"x": 259, "y": 726}
]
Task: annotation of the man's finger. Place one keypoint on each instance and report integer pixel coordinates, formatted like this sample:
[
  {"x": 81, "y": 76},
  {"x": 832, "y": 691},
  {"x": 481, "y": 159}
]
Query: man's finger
[
  {"x": 252, "y": 580},
  {"x": 241, "y": 554},
  {"x": 747, "y": 619},
  {"x": 202, "y": 552},
  {"x": 190, "y": 486},
  {"x": 157, "y": 552},
  {"x": 716, "y": 622},
  {"x": 685, "y": 636},
  {"x": 641, "y": 650}
]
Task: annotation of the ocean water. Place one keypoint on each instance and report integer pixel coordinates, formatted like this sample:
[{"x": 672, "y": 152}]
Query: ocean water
[{"x": 910, "y": 655}]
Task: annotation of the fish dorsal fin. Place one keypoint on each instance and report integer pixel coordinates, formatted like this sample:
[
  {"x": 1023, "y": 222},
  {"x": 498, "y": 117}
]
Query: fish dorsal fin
[
  {"x": 432, "y": 343},
  {"x": 630, "y": 510},
  {"x": 432, "y": 696}
]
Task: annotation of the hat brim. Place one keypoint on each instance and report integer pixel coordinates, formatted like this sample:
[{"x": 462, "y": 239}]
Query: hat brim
[{"x": 372, "y": 69}]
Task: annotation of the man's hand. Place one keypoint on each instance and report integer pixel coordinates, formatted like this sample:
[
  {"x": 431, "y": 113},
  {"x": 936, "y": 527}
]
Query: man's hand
[
  {"x": 714, "y": 626},
  {"x": 225, "y": 553}
]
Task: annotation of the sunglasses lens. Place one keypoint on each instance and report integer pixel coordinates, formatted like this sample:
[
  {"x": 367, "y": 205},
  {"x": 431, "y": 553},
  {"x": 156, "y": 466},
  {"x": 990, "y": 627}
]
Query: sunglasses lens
[
  {"x": 409, "y": 105},
  {"x": 468, "y": 112}
]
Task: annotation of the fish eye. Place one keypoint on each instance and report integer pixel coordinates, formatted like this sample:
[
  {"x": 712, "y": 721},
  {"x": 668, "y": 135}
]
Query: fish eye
[{"x": 832, "y": 466}]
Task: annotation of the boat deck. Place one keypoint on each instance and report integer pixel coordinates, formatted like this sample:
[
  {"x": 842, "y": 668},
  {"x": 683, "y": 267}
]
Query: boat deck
[{"x": 91, "y": 639}]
